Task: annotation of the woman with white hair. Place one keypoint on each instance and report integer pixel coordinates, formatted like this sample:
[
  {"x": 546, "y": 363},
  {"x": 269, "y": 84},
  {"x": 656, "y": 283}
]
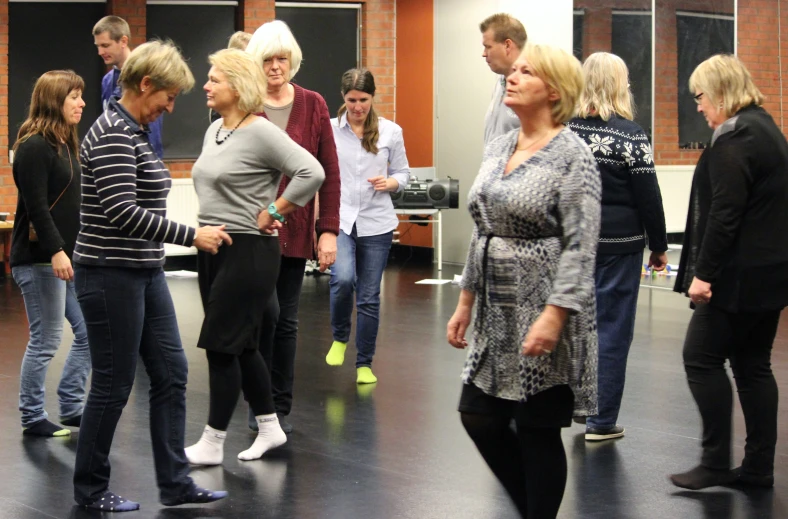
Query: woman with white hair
[
  {"x": 734, "y": 268},
  {"x": 631, "y": 210},
  {"x": 535, "y": 205},
  {"x": 304, "y": 116},
  {"x": 236, "y": 178}
]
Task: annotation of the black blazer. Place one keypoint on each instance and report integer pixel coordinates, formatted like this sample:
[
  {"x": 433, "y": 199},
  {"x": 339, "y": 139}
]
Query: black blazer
[{"x": 736, "y": 236}]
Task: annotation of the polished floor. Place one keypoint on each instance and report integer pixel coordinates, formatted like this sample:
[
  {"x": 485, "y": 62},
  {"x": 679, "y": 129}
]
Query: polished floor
[{"x": 396, "y": 450}]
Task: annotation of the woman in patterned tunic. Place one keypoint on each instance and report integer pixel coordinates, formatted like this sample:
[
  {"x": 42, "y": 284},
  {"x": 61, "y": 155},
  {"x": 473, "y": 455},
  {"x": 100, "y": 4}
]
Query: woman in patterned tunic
[{"x": 536, "y": 208}]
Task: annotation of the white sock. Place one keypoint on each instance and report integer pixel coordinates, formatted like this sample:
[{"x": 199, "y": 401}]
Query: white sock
[
  {"x": 270, "y": 436},
  {"x": 209, "y": 450}
]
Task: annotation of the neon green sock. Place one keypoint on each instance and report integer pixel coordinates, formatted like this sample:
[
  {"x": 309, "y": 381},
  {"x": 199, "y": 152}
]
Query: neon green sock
[
  {"x": 336, "y": 355},
  {"x": 364, "y": 375}
]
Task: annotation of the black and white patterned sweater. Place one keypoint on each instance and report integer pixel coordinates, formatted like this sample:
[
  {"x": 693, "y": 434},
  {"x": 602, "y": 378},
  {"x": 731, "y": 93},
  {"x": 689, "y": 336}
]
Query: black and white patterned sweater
[
  {"x": 534, "y": 243},
  {"x": 631, "y": 200}
]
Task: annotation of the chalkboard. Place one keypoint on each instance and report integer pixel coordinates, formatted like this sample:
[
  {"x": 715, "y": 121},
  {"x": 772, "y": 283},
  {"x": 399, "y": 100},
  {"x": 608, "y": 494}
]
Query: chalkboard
[
  {"x": 631, "y": 41},
  {"x": 699, "y": 38},
  {"x": 328, "y": 37},
  {"x": 51, "y": 36},
  {"x": 577, "y": 34},
  {"x": 199, "y": 31}
]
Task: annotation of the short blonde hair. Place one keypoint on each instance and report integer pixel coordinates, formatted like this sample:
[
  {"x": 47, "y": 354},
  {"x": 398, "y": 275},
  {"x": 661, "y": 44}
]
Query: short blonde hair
[
  {"x": 562, "y": 73},
  {"x": 606, "y": 89},
  {"x": 505, "y": 27},
  {"x": 162, "y": 62},
  {"x": 724, "y": 80},
  {"x": 275, "y": 39},
  {"x": 239, "y": 40},
  {"x": 244, "y": 76}
]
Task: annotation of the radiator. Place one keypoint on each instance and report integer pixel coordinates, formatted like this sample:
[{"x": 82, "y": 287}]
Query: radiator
[{"x": 182, "y": 207}]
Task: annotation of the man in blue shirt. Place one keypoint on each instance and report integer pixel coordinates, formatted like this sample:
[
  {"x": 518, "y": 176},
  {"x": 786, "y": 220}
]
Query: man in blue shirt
[{"x": 112, "y": 36}]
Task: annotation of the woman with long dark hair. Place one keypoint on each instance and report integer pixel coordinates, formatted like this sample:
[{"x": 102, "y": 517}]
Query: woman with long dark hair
[
  {"x": 47, "y": 175},
  {"x": 372, "y": 164}
]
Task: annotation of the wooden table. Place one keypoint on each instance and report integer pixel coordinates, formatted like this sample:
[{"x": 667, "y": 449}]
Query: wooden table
[{"x": 5, "y": 230}]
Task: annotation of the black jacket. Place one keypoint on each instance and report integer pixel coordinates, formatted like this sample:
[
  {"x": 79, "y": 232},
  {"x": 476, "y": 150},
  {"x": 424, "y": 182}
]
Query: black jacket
[
  {"x": 41, "y": 175},
  {"x": 736, "y": 236}
]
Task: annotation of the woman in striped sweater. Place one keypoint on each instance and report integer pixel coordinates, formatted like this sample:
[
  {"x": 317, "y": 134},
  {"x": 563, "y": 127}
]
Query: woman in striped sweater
[{"x": 120, "y": 281}]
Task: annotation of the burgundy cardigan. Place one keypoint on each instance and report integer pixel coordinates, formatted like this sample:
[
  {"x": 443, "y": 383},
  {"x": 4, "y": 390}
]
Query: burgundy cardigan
[{"x": 310, "y": 126}]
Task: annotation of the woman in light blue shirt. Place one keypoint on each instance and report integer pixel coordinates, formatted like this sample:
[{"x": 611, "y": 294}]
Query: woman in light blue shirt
[{"x": 372, "y": 164}]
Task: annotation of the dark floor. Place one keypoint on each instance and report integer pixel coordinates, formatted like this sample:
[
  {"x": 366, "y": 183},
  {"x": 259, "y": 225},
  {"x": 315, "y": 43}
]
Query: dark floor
[{"x": 396, "y": 450}]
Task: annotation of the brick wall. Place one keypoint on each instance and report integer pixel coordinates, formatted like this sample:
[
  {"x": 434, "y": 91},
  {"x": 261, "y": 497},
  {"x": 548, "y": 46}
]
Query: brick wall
[
  {"x": 7, "y": 188},
  {"x": 757, "y": 46}
]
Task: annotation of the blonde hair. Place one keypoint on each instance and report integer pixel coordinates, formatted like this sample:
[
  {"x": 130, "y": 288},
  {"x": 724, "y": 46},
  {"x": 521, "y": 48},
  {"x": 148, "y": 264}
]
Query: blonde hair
[
  {"x": 275, "y": 39},
  {"x": 724, "y": 80},
  {"x": 606, "y": 89},
  {"x": 239, "y": 40},
  {"x": 561, "y": 72},
  {"x": 162, "y": 62},
  {"x": 46, "y": 116},
  {"x": 244, "y": 76},
  {"x": 505, "y": 27}
]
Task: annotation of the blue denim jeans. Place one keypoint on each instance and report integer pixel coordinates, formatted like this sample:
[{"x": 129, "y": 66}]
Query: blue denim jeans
[
  {"x": 358, "y": 268},
  {"x": 47, "y": 301},
  {"x": 130, "y": 315},
  {"x": 617, "y": 285}
]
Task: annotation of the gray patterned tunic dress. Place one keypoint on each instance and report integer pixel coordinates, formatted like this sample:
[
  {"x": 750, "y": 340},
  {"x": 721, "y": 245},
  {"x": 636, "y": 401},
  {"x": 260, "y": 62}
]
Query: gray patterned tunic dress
[{"x": 534, "y": 244}]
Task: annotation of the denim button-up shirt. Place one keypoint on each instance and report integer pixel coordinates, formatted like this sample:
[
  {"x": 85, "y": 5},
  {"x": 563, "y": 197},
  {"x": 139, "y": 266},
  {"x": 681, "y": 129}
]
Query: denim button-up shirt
[{"x": 371, "y": 211}]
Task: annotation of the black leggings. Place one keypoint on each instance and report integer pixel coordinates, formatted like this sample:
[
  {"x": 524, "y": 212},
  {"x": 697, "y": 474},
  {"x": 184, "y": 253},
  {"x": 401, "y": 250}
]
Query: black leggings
[
  {"x": 746, "y": 339},
  {"x": 228, "y": 375},
  {"x": 529, "y": 463}
]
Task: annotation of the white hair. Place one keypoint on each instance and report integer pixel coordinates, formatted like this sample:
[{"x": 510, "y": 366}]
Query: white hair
[{"x": 275, "y": 39}]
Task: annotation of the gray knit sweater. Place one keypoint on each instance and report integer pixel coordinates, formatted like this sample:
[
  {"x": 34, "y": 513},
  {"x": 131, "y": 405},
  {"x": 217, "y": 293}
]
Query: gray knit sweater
[{"x": 237, "y": 179}]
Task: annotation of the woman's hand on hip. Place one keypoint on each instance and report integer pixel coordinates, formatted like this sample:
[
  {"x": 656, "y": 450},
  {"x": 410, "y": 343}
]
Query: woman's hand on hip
[
  {"x": 383, "y": 183},
  {"x": 61, "y": 266},
  {"x": 545, "y": 332},
  {"x": 210, "y": 238},
  {"x": 326, "y": 250},
  {"x": 266, "y": 222},
  {"x": 699, "y": 292}
]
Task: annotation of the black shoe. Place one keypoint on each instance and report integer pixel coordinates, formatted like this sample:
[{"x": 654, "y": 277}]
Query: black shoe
[
  {"x": 594, "y": 435},
  {"x": 579, "y": 419},
  {"x": 755, "y": 480},
  {"x": 286, "y": 426},
  {"x": 703, "y": 477}
]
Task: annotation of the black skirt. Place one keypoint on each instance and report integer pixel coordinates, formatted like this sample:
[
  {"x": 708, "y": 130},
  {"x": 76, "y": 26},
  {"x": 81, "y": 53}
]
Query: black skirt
[
  {"x": 235, "y": 286},
  {"x": 552, "y": 407}
]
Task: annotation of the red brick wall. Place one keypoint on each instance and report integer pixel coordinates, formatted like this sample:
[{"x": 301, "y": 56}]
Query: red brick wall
[
  {"x": 757, "y": 46},
  {"x": 7, "y": 188}
]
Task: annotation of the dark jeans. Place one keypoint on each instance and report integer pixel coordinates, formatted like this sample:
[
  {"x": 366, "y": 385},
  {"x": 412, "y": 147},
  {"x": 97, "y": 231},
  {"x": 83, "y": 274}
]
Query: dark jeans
[
  {"x": 280, "y": 332},
  {"x": 129, "y": 315},
  {"x": 746, "y": 339},
  {"x": 617, "y": 285},
  {"x": 358, "y": 268}
]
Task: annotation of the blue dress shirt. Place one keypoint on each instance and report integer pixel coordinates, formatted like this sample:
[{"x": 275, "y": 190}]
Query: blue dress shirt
[{"x": 371, "y": 211}]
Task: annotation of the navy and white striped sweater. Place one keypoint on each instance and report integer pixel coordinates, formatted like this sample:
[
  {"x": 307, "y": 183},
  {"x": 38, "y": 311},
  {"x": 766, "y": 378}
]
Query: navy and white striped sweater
[
  {"x": 631, "y": 199},
  {"x": 124, "y": 197}
]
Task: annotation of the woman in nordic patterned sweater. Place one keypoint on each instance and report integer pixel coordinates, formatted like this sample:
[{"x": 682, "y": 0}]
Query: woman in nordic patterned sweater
[{"x": 631, "y": 210}]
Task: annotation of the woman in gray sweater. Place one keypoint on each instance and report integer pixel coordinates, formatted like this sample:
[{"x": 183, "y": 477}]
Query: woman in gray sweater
[{"x": 236, "y": 178}]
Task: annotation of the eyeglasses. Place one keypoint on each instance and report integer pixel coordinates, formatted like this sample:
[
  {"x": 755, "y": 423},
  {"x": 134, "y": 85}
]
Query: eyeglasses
[{"x": 697, "y": 97}]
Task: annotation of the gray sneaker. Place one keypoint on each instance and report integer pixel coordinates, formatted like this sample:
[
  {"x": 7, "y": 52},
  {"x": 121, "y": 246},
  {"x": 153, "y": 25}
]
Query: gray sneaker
[{"x": 594, "y": 435}]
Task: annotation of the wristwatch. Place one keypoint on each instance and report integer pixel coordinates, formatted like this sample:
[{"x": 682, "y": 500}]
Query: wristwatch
[{"x": 274, "y": 214}]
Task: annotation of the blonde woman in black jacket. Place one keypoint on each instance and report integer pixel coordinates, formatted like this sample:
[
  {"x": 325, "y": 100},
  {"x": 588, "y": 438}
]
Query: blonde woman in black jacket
[{"x": 734, "y": 268}]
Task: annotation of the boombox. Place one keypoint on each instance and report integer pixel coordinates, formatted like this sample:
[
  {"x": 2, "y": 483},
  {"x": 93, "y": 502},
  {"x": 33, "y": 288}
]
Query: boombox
[{"x": 428, "y": 194}]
